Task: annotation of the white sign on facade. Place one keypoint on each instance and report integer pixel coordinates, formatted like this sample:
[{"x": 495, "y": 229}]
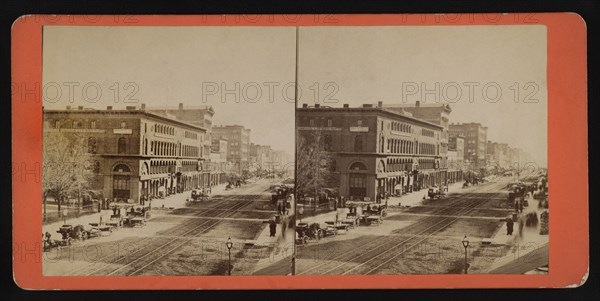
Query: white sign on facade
[
  {"x": 362, "y": 129},
  {"x": 122, "y": 131}
]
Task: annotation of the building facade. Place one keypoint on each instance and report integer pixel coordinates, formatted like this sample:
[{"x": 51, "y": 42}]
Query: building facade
[
  {"x": 376, "y": 151},
  {"x": 475, "y": 144},
  {"x": 238, "y": 145},
  {"x": 456, "y": 155},
  {"x": 218, "y": 161},
  {"x": 136, "y": 154}
]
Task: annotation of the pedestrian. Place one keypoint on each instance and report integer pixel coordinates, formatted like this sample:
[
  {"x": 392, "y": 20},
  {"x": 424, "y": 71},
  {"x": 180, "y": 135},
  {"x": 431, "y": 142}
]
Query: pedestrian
[
  {"x": 509, "y": 226},
  {"x": 272, "y": 227},
  {"x": 516, "y": 206},
  {"x": 279, "y": 208},
  {"x": 520, "y": 206}
]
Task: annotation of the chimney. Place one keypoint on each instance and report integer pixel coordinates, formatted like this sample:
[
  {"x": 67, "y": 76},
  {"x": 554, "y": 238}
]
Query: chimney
[
  {"x": 317, "y": 105},
  {"x": 367, "y": 105},
  {"x": 180, "y": 106},
  {"x": 109, "y": 108},
  {"x": 380, "y": 104},
  {"x": 305, "y": 105},
  {"x": 418, "y": 104},
  {"x": 143, "y": 106},
  {"x": 346, "y": 105},
  {"x": 68, "y": 107},
  {"x": 80, "y": 107}
]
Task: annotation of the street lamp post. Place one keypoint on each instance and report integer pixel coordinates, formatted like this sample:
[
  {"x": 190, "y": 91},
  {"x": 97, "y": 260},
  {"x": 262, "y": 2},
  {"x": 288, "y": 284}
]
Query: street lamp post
[
  {"x": 229, "y": 245},
  {"x": 64, "y": 213},
  {"x": 465, "y": 243},
  {"x": 301, "y": 212}
]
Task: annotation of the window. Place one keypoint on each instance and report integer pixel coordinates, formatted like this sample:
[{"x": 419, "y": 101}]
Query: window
[
  {"x": 311, "y": 123},
  {"x": 57, "y": 124},
  {"x": 359, "y": 122},
  {"x": 123, "y": 124},
  {"x": 122, "y": 145},
  {"x": 358, "y": 144},
  {"x": 92, "y": 124},
  {"x": 329, "y": 123}
]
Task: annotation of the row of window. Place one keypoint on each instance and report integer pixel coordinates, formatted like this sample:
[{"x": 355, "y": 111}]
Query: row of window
[
  {"x": 160, "y": 148},
  {"x": 399, "y": 164},
  {"x": 427, "y": 132},
  {"x": 162, "y": 166},
  {"x": 74, "y": 124},
  {"x": 190, "y": 151},
  {"x": 164, "y": 129},
  {"x": 191, "y": 135},
  {"x": 400, "y": 146},
  {"x": 401, "y": 127},
  {"x": 427, "y": 149}
]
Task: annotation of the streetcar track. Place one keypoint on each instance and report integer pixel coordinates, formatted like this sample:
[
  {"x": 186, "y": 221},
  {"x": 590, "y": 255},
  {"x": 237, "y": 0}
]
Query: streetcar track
[{"x": 425, "y": 221}]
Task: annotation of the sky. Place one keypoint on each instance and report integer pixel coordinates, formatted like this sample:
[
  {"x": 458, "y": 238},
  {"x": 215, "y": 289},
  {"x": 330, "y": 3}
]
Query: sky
[
  {"x": 494, "y": 75},
  {"x": 469, "y": 65},
  {"x": 165, "y": 66}
]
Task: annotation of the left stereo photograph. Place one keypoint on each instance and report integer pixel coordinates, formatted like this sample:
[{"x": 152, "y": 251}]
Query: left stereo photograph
[{"x": 168, "y": 150}]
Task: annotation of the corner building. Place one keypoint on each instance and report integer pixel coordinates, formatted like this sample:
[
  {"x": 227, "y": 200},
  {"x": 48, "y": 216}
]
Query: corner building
[
  {"x": 136, "y": 153},
  {"x": 376, "y": 150}
]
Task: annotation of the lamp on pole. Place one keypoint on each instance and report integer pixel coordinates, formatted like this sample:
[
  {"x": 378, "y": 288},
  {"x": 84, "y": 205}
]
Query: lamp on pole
[
  {"x": 465, "y": 243},
  {"x": 300, "y": 212},
  {"x": 229, "y": 245},
  {"x": 64, "y": 214}
]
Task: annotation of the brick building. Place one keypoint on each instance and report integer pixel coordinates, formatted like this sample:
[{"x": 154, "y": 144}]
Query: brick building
[
  {"x": 238, "y": 144},
  {"x": 376, "y": 150},
  {"x": 135, "y": 152},
  {"x": 475, "y": 143},
  {"x": 456, "y": 155}
]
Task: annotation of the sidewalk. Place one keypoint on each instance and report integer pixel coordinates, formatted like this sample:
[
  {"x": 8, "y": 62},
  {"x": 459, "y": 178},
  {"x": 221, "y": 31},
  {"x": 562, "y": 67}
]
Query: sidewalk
[
  {"x": 528, "y": 243},
  {"x": 172, "y": 201},
  {"x": 415, "y": 198},
  {"x": 279, "y": 247}
]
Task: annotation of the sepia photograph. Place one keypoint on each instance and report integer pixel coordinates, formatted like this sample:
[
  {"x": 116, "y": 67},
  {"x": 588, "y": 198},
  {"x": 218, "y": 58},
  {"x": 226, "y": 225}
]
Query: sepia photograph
[
  {"x": 167, "y": 150},
  {"x": 429, "y": 154},
  {"x": 294, "y": 150}
]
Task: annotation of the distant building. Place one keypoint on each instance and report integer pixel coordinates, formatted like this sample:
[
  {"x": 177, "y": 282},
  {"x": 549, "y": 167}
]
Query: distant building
[
  {"x": 475, "y": 143},
  {"x": 218, "y": 161},
  {"x": 136, "y": 153},
  {"x": 456, "y": 155},
  {"x": 238, "y": 144}
]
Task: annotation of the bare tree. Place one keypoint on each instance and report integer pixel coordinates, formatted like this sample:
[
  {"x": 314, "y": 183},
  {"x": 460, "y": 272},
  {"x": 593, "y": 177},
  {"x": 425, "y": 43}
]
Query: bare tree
[
  {"x": 66, "y": 165},
  {"x": 313, "y": 164}
]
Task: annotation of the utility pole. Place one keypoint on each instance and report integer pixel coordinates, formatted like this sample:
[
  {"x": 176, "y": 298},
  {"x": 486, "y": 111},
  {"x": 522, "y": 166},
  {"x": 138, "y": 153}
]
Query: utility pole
[{"x": 296, "y": 159}]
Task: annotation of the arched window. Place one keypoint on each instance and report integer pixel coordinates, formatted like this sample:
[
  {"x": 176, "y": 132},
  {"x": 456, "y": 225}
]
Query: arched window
[
  {"x": 121, "y": 168},
  {"x": 358, "y": 144},
  {"x": 358, "y": 166},
  {"x": 122, "y": 145}
]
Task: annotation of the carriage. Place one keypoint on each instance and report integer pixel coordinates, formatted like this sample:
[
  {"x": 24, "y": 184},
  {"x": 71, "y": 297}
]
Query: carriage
[
  {"x": 306, "y": 232},
  {"x": 198, "y": 195},
  {"x": 435, "y": 192}
]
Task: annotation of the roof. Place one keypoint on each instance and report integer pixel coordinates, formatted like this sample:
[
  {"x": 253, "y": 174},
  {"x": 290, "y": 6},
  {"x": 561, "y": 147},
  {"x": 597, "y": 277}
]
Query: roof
[
  {"x": 124, "y": 112},
  {"x": 371, "y": 109}
]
